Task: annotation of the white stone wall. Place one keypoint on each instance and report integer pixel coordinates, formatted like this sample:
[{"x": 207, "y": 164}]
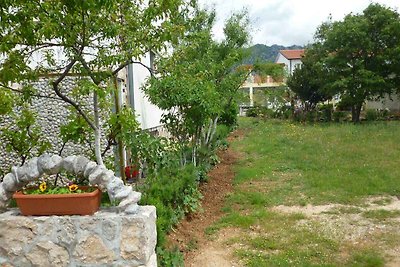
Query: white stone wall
[
  {"x": 106, "y": 238},
  {"x": 52, "y": 113}
]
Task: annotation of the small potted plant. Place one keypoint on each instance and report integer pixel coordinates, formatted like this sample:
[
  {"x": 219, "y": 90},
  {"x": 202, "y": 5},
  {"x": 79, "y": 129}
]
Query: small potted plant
[{"x": 132, "y": 172}]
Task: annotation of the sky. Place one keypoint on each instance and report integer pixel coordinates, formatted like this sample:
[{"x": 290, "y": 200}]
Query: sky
[{"x": 287, "y": 22}]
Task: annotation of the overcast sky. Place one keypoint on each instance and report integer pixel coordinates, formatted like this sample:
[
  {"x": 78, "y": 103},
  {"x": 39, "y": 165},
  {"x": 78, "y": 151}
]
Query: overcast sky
[{"x": 288, "y": 22}]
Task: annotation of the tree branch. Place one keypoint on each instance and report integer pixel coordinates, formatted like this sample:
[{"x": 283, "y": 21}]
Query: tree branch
[
  {"x": 35, "y": 95},
  {"x": 67, "y": 99}
]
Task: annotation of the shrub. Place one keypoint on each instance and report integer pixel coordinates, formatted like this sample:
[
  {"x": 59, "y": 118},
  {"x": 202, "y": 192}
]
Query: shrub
[
  {"x": 372, "y": 115},
  {"x": 252, "y": 112},
  {"x": 326, "y": 112},
  {"x": 339, "y": 116},
  {"x": 229, "y": 116},
  {"x": 174, "y": 192},
  {"x": 311, "y": 116}
]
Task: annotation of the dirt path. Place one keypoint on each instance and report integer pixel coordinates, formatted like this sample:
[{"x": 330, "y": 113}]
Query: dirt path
[{"x": 190, "y": 236}]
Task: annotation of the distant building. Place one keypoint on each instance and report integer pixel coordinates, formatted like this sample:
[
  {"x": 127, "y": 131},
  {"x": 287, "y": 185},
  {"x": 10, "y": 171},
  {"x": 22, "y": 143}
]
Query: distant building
[{"x": 291, "y": 59}]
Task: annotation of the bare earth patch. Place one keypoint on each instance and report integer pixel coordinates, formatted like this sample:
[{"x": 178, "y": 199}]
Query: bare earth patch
[
  {"x": 190, "y": 236},
  {"x": 349, "y": 225}
]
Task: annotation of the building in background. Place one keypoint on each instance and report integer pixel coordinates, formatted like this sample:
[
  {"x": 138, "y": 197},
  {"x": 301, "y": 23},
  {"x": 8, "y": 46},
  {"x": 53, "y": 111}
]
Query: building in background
[{"x": 291, "y": 59}]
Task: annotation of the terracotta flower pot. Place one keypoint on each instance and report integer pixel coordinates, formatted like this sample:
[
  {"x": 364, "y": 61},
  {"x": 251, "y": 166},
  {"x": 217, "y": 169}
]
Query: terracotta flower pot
[
  {"x": 131, "y": 172},
  {"x": 59, "y": 204}
]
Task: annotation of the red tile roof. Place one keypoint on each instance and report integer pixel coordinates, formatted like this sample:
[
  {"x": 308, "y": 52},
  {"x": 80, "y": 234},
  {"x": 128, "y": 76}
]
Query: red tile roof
[{"x": 292, "y": 54}]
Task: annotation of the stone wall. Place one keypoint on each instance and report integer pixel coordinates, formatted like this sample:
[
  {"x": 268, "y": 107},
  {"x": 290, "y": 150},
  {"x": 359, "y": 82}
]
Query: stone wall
[
  {"x": 51, "y": 114},
  {"x": 107, "y": 238}
]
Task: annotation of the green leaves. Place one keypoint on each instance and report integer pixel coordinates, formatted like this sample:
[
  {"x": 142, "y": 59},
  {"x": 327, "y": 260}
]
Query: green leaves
[
  {"x": 24, "y": 137},
  {"x": 354, "y": 57}
]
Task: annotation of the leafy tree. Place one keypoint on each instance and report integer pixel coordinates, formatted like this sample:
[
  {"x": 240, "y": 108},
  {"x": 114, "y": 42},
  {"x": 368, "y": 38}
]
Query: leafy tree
[
  {"x": 199, "y": 81},
  {"x": 308, "y": 82},
  {"x": 361, "y": 55},
  {"x": 91, "y": 39}
]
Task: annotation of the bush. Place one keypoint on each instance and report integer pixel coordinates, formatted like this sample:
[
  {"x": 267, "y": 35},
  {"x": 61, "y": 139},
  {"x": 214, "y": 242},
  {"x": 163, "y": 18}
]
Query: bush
[
  {"x": 175, "y": 193},
  {"x": 372, "y": 115},
  {"x": 339, "y": 116},
  {"x": 311, "y": 116},
  {"x": 252, "y": 112},
  {"x": 326, "y": 112},
  {"x": 229, "y": 116}
]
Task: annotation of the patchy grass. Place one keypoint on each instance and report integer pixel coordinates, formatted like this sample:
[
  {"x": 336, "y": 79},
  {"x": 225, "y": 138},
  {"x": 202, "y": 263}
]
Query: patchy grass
[
  {"x": 381, "y": 214},
  {"x": 292, "y": 164}
]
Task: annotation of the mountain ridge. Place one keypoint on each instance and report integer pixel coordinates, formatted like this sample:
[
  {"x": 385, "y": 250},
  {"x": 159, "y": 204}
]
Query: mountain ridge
[{"x": 267, "y": 53}]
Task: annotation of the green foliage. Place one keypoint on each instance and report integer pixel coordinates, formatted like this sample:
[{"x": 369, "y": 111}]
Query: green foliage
[
  {"x": 339, "y": 116},
  {"x": 170, "y": 257},
  {"x": 24, "y": 137},
  {"x": 76, "y": 130},
  {"x": 175, "y": 193},
  {"x": 71, "y": 37},
  {"x": 358, "y": 57},
  {"x": 276, "y": 71},
  {"x": 229, "y": 115},
  {"x": 308, "y": 82},
  {"x": 6, "y": 102},
  {"x": 326, "y": 112},
  {"x": 55, "y": 190},
  {"x": 199, "y": 83},
  {"x": 371, "y": 115}
]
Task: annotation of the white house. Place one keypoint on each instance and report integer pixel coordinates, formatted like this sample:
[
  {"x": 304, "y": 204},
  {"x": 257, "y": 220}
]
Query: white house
[
  {"x": 291, "y": 59},
  {"x": 131, "y": 79}
]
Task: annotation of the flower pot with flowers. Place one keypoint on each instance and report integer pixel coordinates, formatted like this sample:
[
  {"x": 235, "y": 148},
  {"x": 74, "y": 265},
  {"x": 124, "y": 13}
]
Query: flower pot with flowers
[
  {"x": 66, "y": 200},
  {"x": 70, "y": 199}
]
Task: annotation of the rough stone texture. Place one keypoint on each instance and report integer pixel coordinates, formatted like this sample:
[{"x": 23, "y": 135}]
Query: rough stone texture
[
  {"x": 134, "y": 248},
  {"x": 10, "y": 183},
  {"x": 47, "y": 253},
  {"x": 14, "y": 235},
  {"x": 107, "y": 238},
  {"x": 91, "y": 250},
  {"x": 52, "y": 114}
]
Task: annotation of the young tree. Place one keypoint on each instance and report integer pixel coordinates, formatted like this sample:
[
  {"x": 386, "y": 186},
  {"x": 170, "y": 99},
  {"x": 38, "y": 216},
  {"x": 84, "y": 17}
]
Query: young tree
[
  {"x": 91, "y": 39},
  {"x": 198, "y": 81},
  {"x": 361, "y": 55}
]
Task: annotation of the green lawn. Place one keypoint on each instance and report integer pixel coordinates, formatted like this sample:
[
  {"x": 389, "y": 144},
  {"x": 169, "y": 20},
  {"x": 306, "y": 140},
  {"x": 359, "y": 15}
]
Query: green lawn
[{"x": 284, "y": 163}]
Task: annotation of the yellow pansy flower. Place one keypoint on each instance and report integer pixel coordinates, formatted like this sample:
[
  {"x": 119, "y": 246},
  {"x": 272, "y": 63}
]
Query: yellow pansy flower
[{"x": 42, "y": 187}]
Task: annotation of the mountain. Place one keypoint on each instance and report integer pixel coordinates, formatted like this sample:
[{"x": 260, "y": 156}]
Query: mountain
[{"x": 266, "y": 53}]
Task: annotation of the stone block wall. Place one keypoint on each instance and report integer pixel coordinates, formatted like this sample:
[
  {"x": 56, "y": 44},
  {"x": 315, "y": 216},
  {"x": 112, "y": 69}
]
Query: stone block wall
[
  {"x": 106, "y": 238},
  {"x": 51, "y": 114}
]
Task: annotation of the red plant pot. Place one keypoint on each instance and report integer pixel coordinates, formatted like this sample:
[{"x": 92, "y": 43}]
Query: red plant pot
[
  {"x": 131, "y": 172},
  {"x": 86, "y": 203}
]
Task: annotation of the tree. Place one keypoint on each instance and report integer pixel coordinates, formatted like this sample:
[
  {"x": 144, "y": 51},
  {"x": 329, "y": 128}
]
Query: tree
[
  {"x": 199, "y": 81},
  {"x": 91, "y": 39},
  {"x": 308, "y": 82},
  {"x": 361, "y": 55}
]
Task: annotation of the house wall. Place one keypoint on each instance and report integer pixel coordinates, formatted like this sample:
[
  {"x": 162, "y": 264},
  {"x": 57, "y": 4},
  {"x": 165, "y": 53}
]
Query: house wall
[
  {"x": 149, "y": 115},
  {"x": 51, "y": 114},
  {"x": 391, "y": 103},
  {"x": 281, "y": 59},
  {"x": 290, "y": 65}
]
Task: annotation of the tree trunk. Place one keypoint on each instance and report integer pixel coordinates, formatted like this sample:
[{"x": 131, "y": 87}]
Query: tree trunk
[
  {"x": 97, "y": 131},
  {"x": 355, "y": 113}
]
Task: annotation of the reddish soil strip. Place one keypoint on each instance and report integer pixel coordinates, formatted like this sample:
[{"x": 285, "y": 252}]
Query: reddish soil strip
[{"x": 189, "y": 235}]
